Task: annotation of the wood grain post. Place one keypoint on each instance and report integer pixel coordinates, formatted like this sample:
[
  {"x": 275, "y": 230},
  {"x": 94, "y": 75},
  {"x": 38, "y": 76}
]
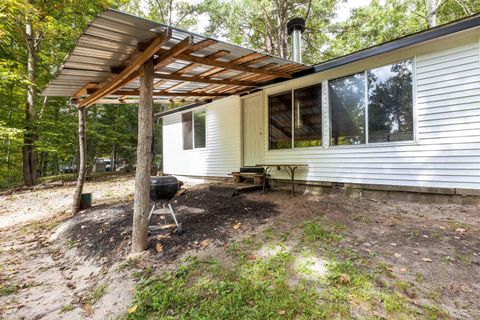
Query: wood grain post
[
  {"x": 144, "y": 160},
  {"x": 82, "y": 163}
]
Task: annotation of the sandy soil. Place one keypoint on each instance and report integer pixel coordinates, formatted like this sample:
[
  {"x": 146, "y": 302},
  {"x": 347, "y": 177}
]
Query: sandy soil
[{"x": 58, "y": 264}]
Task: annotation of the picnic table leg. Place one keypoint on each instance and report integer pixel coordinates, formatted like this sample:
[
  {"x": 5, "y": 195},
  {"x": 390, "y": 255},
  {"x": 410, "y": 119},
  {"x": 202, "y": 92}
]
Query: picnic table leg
[
  {"x": 265, "y": 173},
  {"x": 292, "y": 176}
]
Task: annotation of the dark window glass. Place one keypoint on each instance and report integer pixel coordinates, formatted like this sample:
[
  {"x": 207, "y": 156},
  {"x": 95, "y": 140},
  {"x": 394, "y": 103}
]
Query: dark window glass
[
  {"x": 347, "y": 110},
  {"x": 280, "y": 121},
  {"x": 187, "y": 130},
  {"x": 390, "y": 102},
  {"x": 307, "y": 114},
  {"x": 199, "y": 129}
]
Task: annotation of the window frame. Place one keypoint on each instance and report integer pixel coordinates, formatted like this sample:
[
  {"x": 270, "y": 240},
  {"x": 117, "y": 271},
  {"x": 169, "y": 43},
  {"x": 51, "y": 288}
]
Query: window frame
[
  {"x": 292, "y": 109},
  {"x": 386, "y": 143},
  {"x": 193, "y": 129}
]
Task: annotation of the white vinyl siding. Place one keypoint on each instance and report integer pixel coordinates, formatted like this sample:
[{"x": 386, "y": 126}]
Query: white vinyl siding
[
  {"x": 222, "y": 154},
  {"x": 446, "y": 152}
]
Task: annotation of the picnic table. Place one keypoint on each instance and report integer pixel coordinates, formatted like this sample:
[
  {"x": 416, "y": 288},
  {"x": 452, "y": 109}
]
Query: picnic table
[{"x": 289, "y": 169}]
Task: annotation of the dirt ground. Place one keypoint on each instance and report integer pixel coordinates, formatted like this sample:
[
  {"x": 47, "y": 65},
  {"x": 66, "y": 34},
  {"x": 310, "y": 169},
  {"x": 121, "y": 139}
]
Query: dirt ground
[{"x": 54, "y": 266}]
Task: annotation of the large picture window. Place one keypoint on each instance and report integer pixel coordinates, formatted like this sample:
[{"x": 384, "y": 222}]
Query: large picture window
[
  {"x": 307, "y": 116},
  {"x": 385, "y": 94},
  {"x": 390, "y": 103},
  {"x": 194, "y": 130},
  {"x": 347, "y": 110},
  {"x": 280, "y": 121}
]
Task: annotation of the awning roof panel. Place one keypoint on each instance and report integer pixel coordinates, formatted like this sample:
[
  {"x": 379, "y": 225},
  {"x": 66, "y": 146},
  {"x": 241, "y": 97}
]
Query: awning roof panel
[{"x": 114, "y": 38}]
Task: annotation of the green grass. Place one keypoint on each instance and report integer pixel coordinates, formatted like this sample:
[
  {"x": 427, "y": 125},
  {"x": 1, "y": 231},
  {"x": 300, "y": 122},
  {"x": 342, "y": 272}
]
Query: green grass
[
  {"x": 97, "y": 293},
  {"x": 285, "y": 285},
  {"x": 66, "y": 308},
  {"x": 6, "y": 290}
]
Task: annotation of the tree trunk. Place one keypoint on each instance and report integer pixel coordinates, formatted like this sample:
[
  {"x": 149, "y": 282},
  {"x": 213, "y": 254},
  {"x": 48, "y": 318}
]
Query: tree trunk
[
  {"x": 144, "y": 160},
  {"x": 29, "y": 137},
  {"x": 432, "y": 13},
  {"x": 82, "y": 163}
]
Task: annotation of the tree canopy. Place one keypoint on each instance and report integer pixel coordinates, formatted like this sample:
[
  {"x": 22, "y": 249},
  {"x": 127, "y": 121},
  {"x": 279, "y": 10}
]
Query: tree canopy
[{"x": 36, "y": 36}]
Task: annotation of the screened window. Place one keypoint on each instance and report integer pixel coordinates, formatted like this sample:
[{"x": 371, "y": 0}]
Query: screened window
[
  {"x": 390, "y": 103},
  {"x": 280, "y": 121},
  {"x": 187, "y": 127},
  {"x": 307, "y": 113},
  {"x": 193, "y": 129},
  {"x": 199, "y": 128},
  {"x": 347, "y": 110}
]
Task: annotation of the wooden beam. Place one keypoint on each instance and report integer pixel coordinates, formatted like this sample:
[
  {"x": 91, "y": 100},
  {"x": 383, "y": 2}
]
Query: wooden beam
[
  {"x": 192, "y": 66},
  {"x": 206, "y": 80},
  {"x": 230, "y": 65},
  {"x": 119, "y": 80},
  {"x": 202, "y": 45},
  {"x": 83, "y": 90},
  {"x": 164, "y": 93},
  {"x": 167, "y": 57}
]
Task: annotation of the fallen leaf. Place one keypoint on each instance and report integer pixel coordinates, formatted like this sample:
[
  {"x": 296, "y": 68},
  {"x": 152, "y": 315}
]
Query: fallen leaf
[
  {"x": 237, "y": 225},
  {"x": 132, "y": 309},
  {"x": 159, "y": 247},
  {"x": 252, "y": 257},
  {"x": 427, "y": 259},
  {"x": 402, "y": 270},
  {"x": 466, "y": 288},
  {"x": 460, "y": 230},
  {"x": 281, "y": 312},
  {"x": 393, "y": 244},
  {"x": 87, "y": 307},
  {"x": 397, "y": 255},
  {"x": 205, "y": 243}
]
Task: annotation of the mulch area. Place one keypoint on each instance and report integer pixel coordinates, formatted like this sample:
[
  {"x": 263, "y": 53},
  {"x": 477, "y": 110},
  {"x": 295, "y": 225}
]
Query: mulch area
[{"x": 105, "y": 231}]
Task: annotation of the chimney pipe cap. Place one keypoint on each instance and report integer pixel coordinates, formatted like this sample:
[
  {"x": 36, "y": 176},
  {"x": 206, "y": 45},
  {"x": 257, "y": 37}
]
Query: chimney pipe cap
[{"x": 295, "y": 24}]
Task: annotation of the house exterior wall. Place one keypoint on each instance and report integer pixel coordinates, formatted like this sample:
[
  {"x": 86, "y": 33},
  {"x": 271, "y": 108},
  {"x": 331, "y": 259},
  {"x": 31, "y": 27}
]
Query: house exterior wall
[
  {"x": 446, "y": 150},
  {"x": 222, "y": 153}
]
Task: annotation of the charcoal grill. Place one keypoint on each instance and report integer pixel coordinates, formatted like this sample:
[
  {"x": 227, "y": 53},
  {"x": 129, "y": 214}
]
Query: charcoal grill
[{"x": 162, "y": 190}]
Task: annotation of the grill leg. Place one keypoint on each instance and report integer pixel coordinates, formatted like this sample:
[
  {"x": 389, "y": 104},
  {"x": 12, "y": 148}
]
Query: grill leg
[
  {"x": 151, "y": 212},
  {"x": 173, "y": 214}
]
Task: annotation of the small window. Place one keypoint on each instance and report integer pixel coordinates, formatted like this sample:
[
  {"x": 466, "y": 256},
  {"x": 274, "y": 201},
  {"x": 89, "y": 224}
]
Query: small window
[
  {"x": 280, "y": 121},
  {"x": 194, "y": 130},
  {"x": 390, "y": 103},
  {"x": 199, "y": 128},
  {"x": 347, "y": 110},
  {"x": 307, "y": 115},
  {"x": 187, "y": 127}
]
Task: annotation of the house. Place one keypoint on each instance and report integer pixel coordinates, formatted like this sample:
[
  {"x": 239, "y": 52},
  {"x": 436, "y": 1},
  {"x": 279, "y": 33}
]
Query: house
[{"x": 403, "y": 115}]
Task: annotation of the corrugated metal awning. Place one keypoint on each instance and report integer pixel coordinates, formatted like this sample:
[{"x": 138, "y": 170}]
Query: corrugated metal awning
[{"x": 205, "y": 69}]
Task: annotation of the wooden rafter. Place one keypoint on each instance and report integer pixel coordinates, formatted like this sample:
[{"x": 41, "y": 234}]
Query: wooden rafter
[
  {"x": 83, "y": 90},
  {"x": 229, "y": 65},
  {"x": 205, "y": 80},
  {"x": 134, "y": 93},
  {"x": 119, "y": 80},
  {"x": 167, "y": 57},
  {"x": 192, "y": 66}
]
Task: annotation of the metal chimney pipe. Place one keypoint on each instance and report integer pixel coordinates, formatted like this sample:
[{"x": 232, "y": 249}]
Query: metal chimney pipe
[{"x": 295, "y": 28}]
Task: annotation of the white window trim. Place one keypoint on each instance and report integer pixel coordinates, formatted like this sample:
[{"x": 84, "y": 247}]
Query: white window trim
[{"x": 193, "y": 130}]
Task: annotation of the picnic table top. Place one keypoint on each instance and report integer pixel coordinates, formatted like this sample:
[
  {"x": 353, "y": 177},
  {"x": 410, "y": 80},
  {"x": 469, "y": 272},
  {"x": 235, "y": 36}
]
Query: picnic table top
[{"x": 283, "y": 165}]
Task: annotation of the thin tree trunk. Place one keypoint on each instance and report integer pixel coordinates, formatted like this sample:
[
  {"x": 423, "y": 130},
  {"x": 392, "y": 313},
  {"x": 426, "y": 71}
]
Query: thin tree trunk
[
  {"x": 432, "y": 13},
  {"x": 144, "y": 160},
  {"x": 28, "y": 151},
  {"x": 82, "y": 164}
]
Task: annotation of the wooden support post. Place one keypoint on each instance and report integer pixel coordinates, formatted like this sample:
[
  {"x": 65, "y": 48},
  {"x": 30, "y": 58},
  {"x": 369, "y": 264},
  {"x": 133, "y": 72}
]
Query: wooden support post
[
  {"x": 144, "y": 160},
  {"x": 82, "y": 163}
]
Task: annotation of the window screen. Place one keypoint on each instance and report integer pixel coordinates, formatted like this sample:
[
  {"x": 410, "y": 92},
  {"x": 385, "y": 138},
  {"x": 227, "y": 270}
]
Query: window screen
[
  {"x": 390, "y": 103},
  {"x": 347, "y": 110},
  {"x": 199, "y": 129},
  {"x": 280, "y": 121},
  {"x": 187, "y": 131},
  {"x": 307, "y": 113}
]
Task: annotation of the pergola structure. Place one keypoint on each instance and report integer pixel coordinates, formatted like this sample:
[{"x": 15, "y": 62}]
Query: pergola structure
[{"x": 122, "y": 59}]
